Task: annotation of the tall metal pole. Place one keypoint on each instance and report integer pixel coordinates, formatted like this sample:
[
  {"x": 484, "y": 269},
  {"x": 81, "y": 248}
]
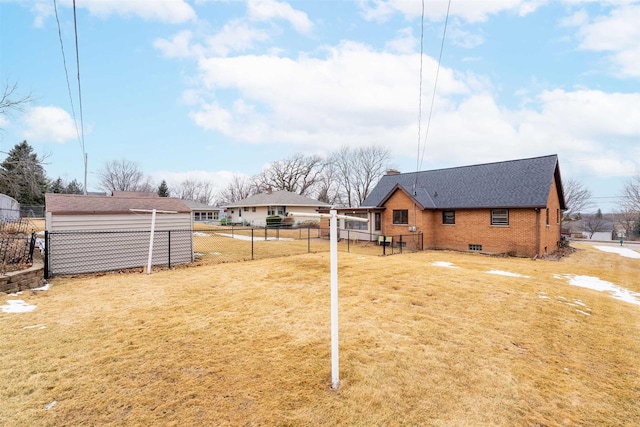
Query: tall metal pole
[
  {"x": 153, "y": 227},
  {"x": 333, "y": 245}
]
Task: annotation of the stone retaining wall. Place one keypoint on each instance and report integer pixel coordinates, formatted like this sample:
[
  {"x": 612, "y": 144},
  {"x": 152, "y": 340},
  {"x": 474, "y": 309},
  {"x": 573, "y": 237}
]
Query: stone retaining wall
[{"x": 30, "y": 278}]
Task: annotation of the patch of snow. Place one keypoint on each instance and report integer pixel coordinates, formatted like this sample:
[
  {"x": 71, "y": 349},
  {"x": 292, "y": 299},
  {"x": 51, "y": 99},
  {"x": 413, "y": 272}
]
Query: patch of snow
[
  {"x": 17, "y": 306},
  {"x": 50, "y": 405},
  {"x": 200, "y": 234},
  {"x": 444, "y": 264},
  {"x": 583, "y": 312},
  {"x": 255, "y": 238},
  {"x": 35, "y": 327},
  {"x": 506, "y": 273},
  {"x": 215, "y": 253},
  {"x": 46, "y": 287},
  {"x": 597, "y": 284},
  {"x": 625, "y": 252},
  {"x": 543, "y": 296},
  {"x": 15, "y": 294}
]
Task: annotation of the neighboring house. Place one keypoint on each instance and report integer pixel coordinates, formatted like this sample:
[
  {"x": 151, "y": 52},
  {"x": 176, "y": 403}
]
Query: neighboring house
[
  {"x": 254, "y": 210},
  {"x": 357, "y": 230},
  {"x": 9, "y": 208},
  {"x": 85, "y": 232},
  {"x": 201, "y": 212},
  {"x": 509, "y": 207},
  {"x": 118, "y": 193},
  {"x": 593, "y": 228}
]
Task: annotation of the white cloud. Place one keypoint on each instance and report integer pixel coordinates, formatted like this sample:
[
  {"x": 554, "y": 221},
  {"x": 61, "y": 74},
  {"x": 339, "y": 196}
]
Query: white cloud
[
  {"x": 177, "y": 46},
  {"x": 48, "y": 124},
  {"x": 405, "y": 41},
  {"x": 617, "y": 33},
  {"x": 235, "y": 36},
  {"x": 353, "y": 94},
  {"x": 266, "y": 10},
  {"x": 356, "y": 95},
  {"x": 468, "y": 10},
  {"x": 170, "y": 11}
]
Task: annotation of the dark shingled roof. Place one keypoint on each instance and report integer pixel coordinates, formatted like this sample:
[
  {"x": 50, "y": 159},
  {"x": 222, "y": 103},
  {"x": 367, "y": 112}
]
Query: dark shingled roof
[
  {"x": 75, "y": 204},
  {"x": 523, "y": 183}
]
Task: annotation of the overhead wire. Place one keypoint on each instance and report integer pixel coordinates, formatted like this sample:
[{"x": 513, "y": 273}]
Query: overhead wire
[
  {"x": 66, "y": 73},
  {"x": 435, "y": 83}
]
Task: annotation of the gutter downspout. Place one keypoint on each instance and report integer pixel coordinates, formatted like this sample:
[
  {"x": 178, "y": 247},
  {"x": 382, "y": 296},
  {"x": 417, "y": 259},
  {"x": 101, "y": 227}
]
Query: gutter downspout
[{"x": 537, "y": 232}]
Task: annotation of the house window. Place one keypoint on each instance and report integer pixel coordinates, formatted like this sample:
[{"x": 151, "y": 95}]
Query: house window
[
  {"x": 246, "y": 209},
  {"x": 216, "y": 215},
  {"x": 282, "y": 210},
  {"x": 271, "y": 211},
  {"x": 378, "y": 221},
  {"x": 557, "y": 216},
  {"x": 209, "y": 215},
  {"x": 253, "y": 209},
  {"x": 547, "y": 216},
  {"x": 401, "y": 216},
  {"x": 475, "y": 248},
  {"x": 499, "y": 216},
  {"x": 448, "y": 217},
  {"x": 356, "y": 225}
]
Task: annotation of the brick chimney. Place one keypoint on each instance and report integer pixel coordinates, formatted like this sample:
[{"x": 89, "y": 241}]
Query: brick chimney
[
  {"x": 269, "y": 190},
  {"x": 393, "y": 172}
]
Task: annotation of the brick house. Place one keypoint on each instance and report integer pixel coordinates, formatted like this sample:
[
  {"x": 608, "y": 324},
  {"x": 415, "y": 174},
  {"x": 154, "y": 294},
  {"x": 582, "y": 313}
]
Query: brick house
[{"x": 510, "y": 207}]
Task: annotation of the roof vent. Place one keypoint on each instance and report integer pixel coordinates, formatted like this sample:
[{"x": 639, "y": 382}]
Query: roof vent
[{"x": 393, "y": 172}]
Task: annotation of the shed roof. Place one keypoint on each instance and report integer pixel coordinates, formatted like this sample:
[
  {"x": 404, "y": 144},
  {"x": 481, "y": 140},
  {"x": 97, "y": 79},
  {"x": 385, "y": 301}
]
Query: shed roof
[
  {"x": 200, "y": 206},
  {"x": 76, "y": 204},
  {"x": 510, "y": 184},
  {"x": 278, "y": 198}
]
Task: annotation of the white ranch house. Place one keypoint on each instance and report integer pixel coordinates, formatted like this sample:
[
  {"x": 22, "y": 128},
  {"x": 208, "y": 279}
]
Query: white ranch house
[{"x": 254, "y": 210}]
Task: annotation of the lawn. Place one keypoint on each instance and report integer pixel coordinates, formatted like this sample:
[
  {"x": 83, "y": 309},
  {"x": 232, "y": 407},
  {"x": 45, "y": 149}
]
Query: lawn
[{"x": 429, "y": 338}]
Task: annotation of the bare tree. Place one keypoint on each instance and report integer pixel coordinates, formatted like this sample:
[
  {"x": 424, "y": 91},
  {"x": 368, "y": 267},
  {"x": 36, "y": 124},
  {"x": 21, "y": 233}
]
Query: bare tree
[
  {"x": 631, "y": 194},
  {"x": 11, "y": 101},
  {"x": 594, "y": 223},
  {"x": 196, "y": 190},
  {"x": 239, "y": 188},
  {"x": 298, "y": 174},
  {"x": 576, "y": 196},
  {"x": 627, "y": 220},
  {"x": 328, "y": 186},
  {"x": 359, "y": 171},
  {"x": 123, "y": 175}
]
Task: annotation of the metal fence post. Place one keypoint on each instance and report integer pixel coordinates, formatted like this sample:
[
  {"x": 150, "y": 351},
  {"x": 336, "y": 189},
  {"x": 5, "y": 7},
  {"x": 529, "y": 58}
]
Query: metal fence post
[
  {"x": 46, "y": 254},
  {"x": 169, "y": 243},
  {"x": 384, "y": 245},
  {"x": 400, "y": 243},
  {"x": 348, "y": 240},
  {"x": 265, "y": 230}
]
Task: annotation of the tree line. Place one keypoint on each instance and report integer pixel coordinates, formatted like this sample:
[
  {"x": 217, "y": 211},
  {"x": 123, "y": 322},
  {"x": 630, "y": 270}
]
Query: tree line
[{"x": 343, "y": 178}]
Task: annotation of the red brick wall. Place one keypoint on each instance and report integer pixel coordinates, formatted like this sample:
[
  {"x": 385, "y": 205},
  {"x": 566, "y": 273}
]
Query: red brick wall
[{"x": 473, "y": 226}]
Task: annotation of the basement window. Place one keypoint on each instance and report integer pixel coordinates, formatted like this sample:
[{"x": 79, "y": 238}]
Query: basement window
[
  {"x": 475, "y": 248},
  {"x": 499, "y": 216},
  {"x": 401, "y": 216}
]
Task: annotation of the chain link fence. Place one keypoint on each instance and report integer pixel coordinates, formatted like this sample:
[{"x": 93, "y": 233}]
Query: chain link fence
[{"x": 89, "y": 252}]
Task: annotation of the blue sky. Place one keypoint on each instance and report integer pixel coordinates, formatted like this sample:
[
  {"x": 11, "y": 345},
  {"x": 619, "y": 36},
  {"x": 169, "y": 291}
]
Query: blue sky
[{"x": 206, "y": 89}]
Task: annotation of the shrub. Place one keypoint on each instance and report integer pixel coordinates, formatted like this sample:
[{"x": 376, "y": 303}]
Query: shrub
[{"x": 274, "y": 221}]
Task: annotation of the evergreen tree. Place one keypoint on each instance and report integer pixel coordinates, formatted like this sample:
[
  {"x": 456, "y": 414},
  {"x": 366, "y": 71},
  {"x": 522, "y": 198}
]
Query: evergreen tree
[
  {"x": 599, "y": 214},
  {"x": 74, "y": 187},
  {"x": 163, "y": 189},
  {"x": 22, "y": 175},
  {"x": 57, "y": 186}
]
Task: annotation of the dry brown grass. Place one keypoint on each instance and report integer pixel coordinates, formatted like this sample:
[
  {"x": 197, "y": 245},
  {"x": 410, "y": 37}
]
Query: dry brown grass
[{"x": 249, "y": 344}]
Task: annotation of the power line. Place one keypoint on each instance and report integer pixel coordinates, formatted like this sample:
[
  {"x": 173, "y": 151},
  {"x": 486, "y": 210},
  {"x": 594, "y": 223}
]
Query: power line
[
  {"x": 75, "y": 30},
  {"x": 66, "y": 73},
  {"x": 435, "y": 83}
]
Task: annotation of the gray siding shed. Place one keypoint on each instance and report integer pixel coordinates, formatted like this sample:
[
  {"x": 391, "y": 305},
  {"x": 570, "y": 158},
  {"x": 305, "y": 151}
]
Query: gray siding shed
[{"x": 100, "y": 233}]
